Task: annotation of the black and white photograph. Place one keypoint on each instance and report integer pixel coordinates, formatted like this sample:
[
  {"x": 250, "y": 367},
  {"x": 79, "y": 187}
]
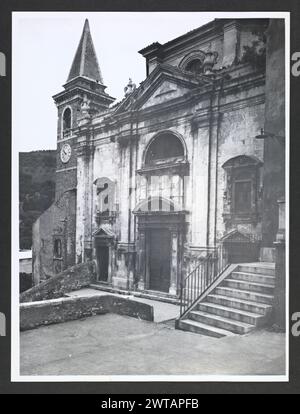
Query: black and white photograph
[{"x": 151, "y": 196}]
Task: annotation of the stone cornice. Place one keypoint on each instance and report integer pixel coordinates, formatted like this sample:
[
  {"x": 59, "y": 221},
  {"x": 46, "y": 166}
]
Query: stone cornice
[
  {"x": 85, "y": 147},
  {"x": 199, "y": 118},
  {"x": 246, "y": 81},
  {"x": 209, "y": 29},
  {"x": 242, "y": 103},
  {"x": 124, "y": 138},
  {"x": 66, "y": 169},
  {"x": 77, "y": 93},
  {"x": 181, "y": 167}
]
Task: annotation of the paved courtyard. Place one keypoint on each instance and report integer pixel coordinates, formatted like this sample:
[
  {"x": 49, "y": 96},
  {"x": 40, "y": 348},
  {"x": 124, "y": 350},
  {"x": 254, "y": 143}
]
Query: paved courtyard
[
  {"x": 162, "y": 311},
  {"x": 118, "y": 345}
]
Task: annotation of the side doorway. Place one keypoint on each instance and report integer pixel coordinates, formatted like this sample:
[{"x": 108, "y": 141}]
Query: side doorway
[
  {"x": 159, "y": 259},
  {"x": 102, "y": 255},
  {"x": 104, "y": 240}
]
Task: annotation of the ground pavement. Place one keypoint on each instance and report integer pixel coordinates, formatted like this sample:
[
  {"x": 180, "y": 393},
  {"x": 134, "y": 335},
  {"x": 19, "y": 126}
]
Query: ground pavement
[{"x": 119, "y": 345}]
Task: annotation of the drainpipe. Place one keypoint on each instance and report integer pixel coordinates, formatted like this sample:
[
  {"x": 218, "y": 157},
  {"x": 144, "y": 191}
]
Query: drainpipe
[
  {"x": 219, "y": 120},
  {"x": 129, "y": 200},
  {"x": 92, "y": 194},
  {"x": 135, "y": 183}
]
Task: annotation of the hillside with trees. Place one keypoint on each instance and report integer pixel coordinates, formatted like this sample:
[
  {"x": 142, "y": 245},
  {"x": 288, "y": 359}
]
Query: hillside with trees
[{"x": 36, "y": 190}]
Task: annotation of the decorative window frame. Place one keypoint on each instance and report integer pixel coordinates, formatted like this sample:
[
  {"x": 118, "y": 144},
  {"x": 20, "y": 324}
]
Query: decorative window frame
[
  {"x": 173, "y": 166},
  {"x": 233, "y": 168},
  {"x": 193, "y": 55},
  {"x": 167, "y": 161},
  {"x": 105, "y": 212}
]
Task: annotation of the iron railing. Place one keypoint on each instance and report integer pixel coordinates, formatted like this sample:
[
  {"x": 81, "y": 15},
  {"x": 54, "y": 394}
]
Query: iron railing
[{"x": 202, "y": 277}]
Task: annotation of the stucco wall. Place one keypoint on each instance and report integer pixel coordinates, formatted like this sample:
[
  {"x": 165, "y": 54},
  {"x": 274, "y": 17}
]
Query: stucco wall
[
  {"x": 237, "y": 137},
  {"x": 274, "y": 172},
  {"x": 59, "y": 220}
]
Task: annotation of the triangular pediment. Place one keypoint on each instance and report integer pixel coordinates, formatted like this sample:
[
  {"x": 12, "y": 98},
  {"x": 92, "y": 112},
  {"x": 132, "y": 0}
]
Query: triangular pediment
[
  {"x": 235, "y": 236},
  {"x": 164, "y": 84},
  {"x": 104, "y": 231},
  {"x": 167, "y": 90}
]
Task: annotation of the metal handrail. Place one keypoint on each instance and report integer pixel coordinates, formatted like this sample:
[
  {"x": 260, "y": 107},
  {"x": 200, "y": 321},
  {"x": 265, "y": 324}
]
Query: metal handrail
[{"x": 202, "y": 277}]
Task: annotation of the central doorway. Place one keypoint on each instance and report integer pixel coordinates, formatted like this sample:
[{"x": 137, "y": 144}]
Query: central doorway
[
  {"x": 103, "y": 262},
  {"x": 159, "y": 259}
]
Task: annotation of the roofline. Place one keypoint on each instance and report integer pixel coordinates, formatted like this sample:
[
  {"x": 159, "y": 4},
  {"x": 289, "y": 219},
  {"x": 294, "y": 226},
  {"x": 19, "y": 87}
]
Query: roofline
[
  {"x": 73, "y": 80},
  {"x": 103, "y": 94},
  {"x": 148, "y": 49},
  {"x": 210, "y": 26}
]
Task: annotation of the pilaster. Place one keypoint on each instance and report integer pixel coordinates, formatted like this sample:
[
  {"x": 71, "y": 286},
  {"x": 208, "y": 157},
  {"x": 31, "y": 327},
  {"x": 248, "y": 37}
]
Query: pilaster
[{"x": 174, "y": 263}]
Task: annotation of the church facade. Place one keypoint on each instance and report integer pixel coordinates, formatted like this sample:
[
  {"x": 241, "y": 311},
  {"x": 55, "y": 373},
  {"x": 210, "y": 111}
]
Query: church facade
[{"x": 148, "y": 185}]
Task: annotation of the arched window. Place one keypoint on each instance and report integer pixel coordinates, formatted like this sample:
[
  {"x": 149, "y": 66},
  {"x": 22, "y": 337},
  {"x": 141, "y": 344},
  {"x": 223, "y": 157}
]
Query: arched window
[
  {"x": 194, "y": 66},
  {"x": 242, "y": 188},
  {"x": 193, "y": 62},
  {"x": 165, "y": 147},
  {"x": 67, "y": 117},
  {"x": 165, "y": 168}
]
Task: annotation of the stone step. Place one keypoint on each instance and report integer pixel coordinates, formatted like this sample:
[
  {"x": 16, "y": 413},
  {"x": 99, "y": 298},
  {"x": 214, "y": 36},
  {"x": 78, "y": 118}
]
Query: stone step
[
  {"x": 147, "y": 294},
  {"x": 253, "y": 277},
  {"x": 257, "y": 268},
  {"x": 244, "y": 295},
  {"x": 201, "y": 328},
  {"x": 231, "y": 313},
  {"x": 249, "y": 286},
  {"x": 206, "y": 318},
  {"x": 248, "y": 306},
  {"x": 242, "y": 302}
]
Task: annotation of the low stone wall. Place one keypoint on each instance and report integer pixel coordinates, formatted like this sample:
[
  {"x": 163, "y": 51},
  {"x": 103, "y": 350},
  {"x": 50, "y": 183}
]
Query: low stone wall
[
  {"x": 53, "y": 311},
  {"x": 74, "y": 278}
]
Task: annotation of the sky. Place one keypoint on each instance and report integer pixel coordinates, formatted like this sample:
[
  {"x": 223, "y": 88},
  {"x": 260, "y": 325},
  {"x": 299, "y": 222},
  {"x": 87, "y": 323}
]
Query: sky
[{"x": 45, "y": 43}]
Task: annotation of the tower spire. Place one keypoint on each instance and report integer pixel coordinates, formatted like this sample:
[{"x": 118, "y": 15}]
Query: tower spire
[{"x": 85, "y": 61}]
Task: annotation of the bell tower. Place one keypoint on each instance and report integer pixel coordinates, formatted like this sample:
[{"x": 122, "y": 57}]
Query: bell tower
[{"x": 83, "y": 95}]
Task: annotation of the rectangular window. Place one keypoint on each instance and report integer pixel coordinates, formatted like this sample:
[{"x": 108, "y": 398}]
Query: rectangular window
[{"x": 242, "y": 196}]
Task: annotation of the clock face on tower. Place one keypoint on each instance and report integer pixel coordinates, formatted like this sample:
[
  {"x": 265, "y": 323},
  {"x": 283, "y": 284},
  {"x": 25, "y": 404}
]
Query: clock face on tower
[{"x": 65, "y": 153}]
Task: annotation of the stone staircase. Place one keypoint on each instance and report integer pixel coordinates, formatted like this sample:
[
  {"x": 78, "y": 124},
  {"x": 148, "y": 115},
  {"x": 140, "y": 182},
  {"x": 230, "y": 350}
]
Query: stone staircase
[{"x": 239, "y": 304}]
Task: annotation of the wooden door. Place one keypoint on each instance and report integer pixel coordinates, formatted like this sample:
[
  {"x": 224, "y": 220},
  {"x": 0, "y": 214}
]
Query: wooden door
[
  {"x": 159, "y": 260},
  {"x": 103, "y": 262}
]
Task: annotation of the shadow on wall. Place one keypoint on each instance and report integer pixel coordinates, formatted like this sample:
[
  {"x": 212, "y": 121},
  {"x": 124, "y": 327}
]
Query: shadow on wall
[{"x": 26, "y": 282}]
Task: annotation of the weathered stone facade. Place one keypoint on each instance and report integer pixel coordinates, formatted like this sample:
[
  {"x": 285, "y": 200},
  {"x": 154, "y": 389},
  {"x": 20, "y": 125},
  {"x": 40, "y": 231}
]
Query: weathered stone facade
[
  {"x": 57, "y": 225},
  {"x": 162, "y": 176}
]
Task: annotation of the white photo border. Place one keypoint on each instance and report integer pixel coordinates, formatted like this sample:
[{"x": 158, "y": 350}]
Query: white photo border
[{"x": 15, "y": 319}]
